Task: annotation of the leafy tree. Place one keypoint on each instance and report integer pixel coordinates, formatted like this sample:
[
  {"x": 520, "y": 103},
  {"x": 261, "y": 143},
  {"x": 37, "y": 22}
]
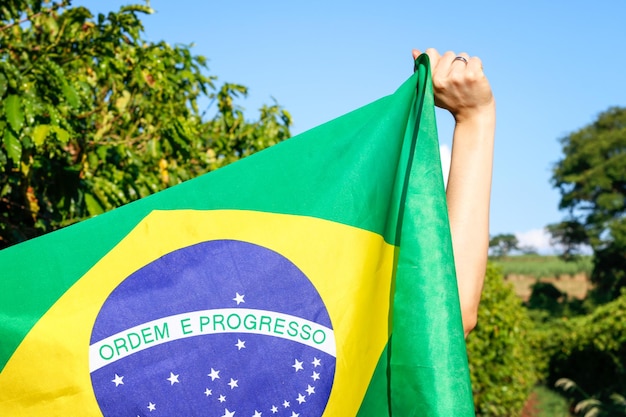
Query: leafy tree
[
  {"x": 591, "y": 178},
  {"x": 92, "y": 116},
  {"x": 503, "y": 244}
]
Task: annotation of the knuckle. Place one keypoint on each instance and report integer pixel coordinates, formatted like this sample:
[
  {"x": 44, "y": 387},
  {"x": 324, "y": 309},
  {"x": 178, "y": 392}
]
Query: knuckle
[
  {"x": 471, "y": 76},
  {"x": 439, "y": 81},
  {"x": 458, "y": 78}
]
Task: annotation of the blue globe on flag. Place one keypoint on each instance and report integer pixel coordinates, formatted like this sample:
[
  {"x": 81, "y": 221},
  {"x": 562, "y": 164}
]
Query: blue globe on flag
[{"x": 222, "y": 328}]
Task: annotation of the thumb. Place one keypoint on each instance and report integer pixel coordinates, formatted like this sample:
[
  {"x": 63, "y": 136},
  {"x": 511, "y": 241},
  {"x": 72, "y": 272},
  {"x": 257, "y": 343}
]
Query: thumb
[{"x": 416, "y": 53}]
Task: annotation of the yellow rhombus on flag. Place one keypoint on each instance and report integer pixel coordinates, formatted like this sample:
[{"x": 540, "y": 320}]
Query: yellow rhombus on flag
[{"x": 315, "y": 278}]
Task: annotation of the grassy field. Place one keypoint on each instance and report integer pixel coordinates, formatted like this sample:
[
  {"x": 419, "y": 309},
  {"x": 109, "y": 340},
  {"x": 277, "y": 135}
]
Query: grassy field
[
  {"x": 524, "y": 271},
  {"x": 539, "y": 266}
]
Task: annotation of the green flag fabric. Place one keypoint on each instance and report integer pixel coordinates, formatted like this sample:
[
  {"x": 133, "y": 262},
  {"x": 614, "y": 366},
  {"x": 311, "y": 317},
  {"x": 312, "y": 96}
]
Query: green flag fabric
[{"x": 315, "y": 278}]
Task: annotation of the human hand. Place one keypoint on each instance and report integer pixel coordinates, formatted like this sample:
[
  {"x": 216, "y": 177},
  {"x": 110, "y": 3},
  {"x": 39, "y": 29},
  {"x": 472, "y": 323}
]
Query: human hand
[{"x": 460, "y": 86}]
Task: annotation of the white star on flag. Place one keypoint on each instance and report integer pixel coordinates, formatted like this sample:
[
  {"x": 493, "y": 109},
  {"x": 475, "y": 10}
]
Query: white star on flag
[
  {"x": 239, "y": 298},
  {"x": 228, "y": 413},
  {"x": 151, "y": 406},
  {"x": 173, "y": 378},
  {"x": 294, "y": 414},
  {"x": 310, "y": 390},
  {"x": 286, "y": 404},
  {"x": 315, "y": 376},
  {"x": 316, "y": 362},
  {"x": 214, "y": 374},
  {"x": 274, "y": 409},
  {"x": 257, "y": 414},
  {"x": 297, "y": 365},
  {"x": 240, "y": 344},
  {"x": 221, "y": 398},
  {"x": 208, "y": 392},
  {"x": 118, "y": 380},
  {"x": 300, "y": 399},
  {"x": 233, "y": 383}
]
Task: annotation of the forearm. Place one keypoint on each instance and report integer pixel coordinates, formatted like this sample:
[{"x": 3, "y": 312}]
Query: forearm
[{"x": 468, "y": 195}]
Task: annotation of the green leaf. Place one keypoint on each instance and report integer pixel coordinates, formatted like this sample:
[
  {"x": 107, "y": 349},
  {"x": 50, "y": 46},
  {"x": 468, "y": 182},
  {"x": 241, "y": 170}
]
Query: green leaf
[
  {"x": 70, "y": 95},
  {"x": 13, "y": 146},
  {"x": 137, "y": 8},
  {"x": 40, "y": 133},
  {"x": 3, "y": 84},
  {"x": 13, "y": 110},
  {"x": 51, "y": 25},
  {"x": 93, "y": 206},
  {"x": 122, "y": 101},
  {"x": 62, "y": 135}
]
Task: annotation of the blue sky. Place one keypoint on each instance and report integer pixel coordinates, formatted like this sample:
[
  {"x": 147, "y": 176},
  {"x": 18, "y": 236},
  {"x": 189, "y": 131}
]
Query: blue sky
[{"x": 553, "y": 65}]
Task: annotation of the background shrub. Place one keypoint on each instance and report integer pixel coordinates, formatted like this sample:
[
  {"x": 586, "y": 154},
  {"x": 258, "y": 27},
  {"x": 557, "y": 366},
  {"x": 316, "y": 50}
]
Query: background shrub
[
  {"x": 503, "y": 364},
  {"x": 590, "y": 350}
]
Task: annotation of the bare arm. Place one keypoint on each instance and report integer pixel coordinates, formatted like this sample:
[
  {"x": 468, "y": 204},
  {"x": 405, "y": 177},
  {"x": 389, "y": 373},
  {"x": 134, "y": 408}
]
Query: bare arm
[{"x": 462, "y": 88}]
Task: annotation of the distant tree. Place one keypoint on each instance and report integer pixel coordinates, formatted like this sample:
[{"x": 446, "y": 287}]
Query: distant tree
[
  {"x": 528, "y": 250},
  {"x": 503, "y": 244},
  {"x": 591, "y": 178},
  {"x": 92, "y": 116},
  {"x": 546, "y": 296},
  {"x": 569, "y": 236}
]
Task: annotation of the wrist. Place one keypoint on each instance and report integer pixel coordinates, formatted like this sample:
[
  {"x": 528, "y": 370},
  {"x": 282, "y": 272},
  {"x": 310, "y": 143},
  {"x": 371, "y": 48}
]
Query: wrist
[
  {"x": 475, "y": 130},
  {"x": 483, "y": 114}
]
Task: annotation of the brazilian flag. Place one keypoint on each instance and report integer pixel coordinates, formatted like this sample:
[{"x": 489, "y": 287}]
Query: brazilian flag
[{"x": 315, "y": 278}]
